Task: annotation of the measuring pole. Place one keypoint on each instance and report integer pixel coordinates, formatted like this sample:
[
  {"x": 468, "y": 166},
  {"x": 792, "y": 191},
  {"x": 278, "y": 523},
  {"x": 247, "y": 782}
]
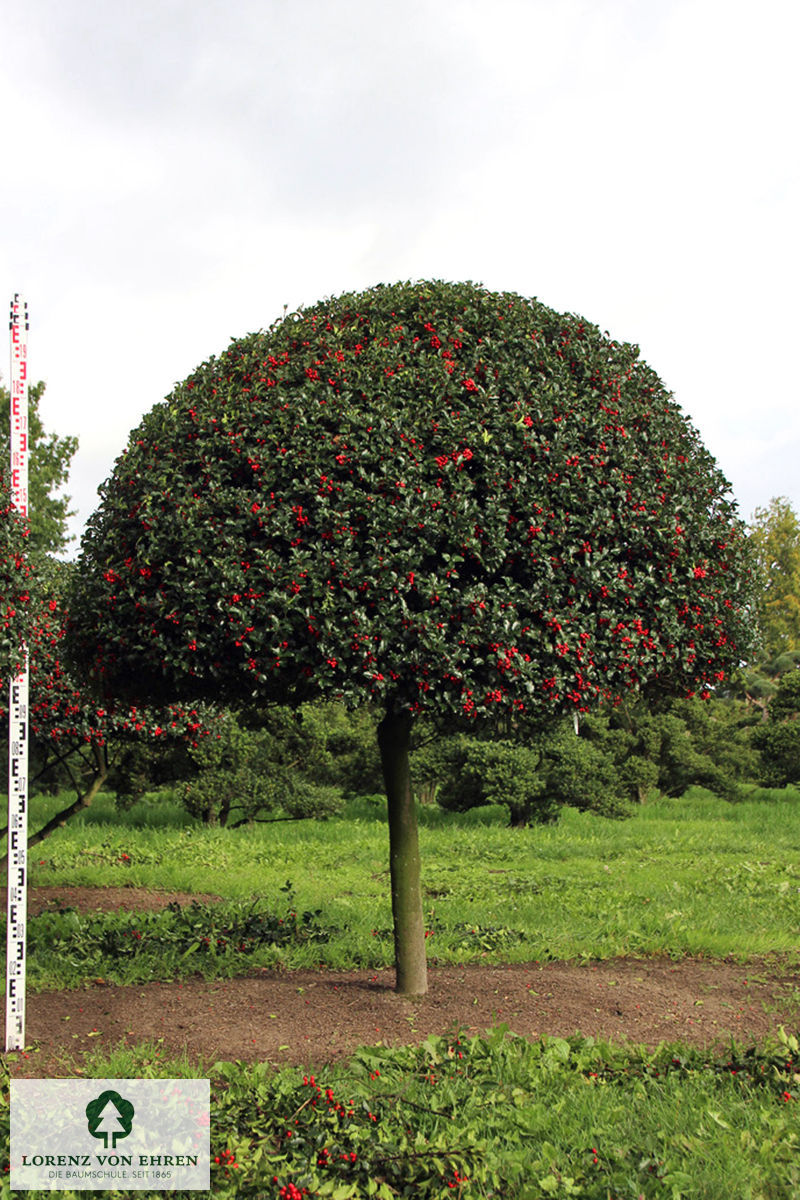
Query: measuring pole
[{"x": 18, "y": 709}]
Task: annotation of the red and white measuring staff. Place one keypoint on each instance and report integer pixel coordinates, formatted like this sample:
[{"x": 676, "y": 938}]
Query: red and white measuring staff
[{"x": 18, "y": 709}]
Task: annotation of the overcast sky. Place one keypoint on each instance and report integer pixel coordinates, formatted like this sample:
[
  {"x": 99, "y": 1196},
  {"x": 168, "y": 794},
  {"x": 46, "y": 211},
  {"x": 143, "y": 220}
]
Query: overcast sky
[{"x": 174, "y": 172}]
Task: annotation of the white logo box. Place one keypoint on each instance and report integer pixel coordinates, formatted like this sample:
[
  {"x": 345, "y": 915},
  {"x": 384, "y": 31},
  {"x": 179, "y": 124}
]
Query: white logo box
[{"x": 110, "y": 1134}]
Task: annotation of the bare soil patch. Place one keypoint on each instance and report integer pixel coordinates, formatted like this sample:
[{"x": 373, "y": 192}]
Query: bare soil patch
[
  {"x": 107, "y": 899},
  {"x": 316, "y": 1017}
]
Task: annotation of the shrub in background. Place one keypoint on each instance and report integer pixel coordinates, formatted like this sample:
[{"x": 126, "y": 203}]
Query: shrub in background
[
  {"x": 778, "y": 738},
  {"x": 339, "y": 747},
  {"x": 475, "y": 773},
  {"x": 254, "y": 774}
]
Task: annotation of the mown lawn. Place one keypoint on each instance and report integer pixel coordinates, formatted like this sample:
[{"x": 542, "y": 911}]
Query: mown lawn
[{"x": 696, "y": 876}]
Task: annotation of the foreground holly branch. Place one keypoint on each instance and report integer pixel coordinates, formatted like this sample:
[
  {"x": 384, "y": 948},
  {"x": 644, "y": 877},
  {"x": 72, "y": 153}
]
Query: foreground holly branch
[
  {"x": 69, "y": 731},
  {"x": 429, "y": 497}
]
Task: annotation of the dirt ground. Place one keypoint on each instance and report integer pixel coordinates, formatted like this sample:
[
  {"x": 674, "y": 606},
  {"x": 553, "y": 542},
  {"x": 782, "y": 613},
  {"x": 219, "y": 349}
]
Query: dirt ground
[{"x": 317, "y": 1017}]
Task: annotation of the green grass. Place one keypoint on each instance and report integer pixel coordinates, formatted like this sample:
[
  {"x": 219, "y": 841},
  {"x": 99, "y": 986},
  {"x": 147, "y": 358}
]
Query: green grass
[
  {"x": 689, "y": 876},
  {"x": 496, "y": 1116}
]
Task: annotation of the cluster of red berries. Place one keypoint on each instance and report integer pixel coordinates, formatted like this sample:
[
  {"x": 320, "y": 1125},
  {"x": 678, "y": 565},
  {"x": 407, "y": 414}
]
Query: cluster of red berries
[
  {"x": 227, "y": 1160},
  {"x": 289, "y": 1191},
  {"x": 333, "y": 1104},
  {"x": 324, "y": 1158},
  {"x": 458, "y": 1180}
]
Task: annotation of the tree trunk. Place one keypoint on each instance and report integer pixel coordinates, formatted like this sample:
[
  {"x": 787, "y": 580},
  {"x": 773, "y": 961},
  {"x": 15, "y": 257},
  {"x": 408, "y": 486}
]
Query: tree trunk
[
  {"x": 394, "y": 734},
  {"x": 426, "y": 792}
]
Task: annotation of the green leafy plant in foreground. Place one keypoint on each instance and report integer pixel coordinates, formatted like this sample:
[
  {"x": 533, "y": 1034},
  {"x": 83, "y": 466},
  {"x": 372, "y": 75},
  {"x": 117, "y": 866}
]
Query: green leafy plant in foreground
[{"x": 497, "y": 1116}]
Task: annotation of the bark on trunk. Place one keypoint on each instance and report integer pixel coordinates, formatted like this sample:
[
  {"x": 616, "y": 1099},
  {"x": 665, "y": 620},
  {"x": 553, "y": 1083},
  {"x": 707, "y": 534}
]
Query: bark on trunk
[{"x": 394, "y": 734}]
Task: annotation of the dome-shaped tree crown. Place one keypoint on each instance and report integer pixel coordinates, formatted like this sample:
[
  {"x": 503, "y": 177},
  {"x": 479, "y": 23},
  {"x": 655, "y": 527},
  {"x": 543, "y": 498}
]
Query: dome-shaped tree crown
[{"x": 429, "y": 496}]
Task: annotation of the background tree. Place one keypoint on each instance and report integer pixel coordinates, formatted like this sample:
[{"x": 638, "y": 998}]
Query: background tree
[
  {"x": 774, "y": 536},
  {"x": 257, "y": 774},
  {"x": 48, "y": 471},
  {"x": 778, "y": 739},
  {"x": 23, "y": 544},
  {"x": 678, "y": 743},
  {"x": 427, "y": 497},
  {"x": 534, "y": 780},
  {"x": 258, "y": 765}
]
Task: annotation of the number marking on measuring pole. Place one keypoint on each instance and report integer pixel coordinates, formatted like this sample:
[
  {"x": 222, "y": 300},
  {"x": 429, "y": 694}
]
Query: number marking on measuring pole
[{"x": 18, "y": 709}]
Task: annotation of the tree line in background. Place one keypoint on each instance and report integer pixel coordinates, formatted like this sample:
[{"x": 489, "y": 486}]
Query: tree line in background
[{"x": 233, "y": 767}]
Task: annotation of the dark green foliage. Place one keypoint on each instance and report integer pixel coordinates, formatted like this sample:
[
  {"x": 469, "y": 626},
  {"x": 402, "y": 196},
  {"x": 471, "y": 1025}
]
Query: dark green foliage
[
  {"x": 680, "y": 763},
  {"x": 277, "y": 761},
  {"x": 143, "y": 767},
  {"x": 339, "y": 747},
  {"x": 676, "y": 745},
  {"x": 774, "y": 539},
  {"x": 429, "y": 497},
  {"x": 251, "y": 793},
  {"x": 216, "y": 791},
  {"x": 242, "y": 774},
  {"x": 533, "y": 780},
  {"x": 785, "y": 706},
  {"x": 757, "y": 682},
  {"x": 478, "y": 773},
  {"x": 780, "y": 752},
  {"x": 720, "y": 757},
  {"x": 619, "y": 757},
  {"x": 778, "y": 739},
  {"x": 50, "y": 459},
  {"x": 580, "y": 774}
]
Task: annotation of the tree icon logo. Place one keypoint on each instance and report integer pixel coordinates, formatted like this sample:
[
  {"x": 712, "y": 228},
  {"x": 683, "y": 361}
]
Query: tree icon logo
[{"x": 109, "y": 1116}]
